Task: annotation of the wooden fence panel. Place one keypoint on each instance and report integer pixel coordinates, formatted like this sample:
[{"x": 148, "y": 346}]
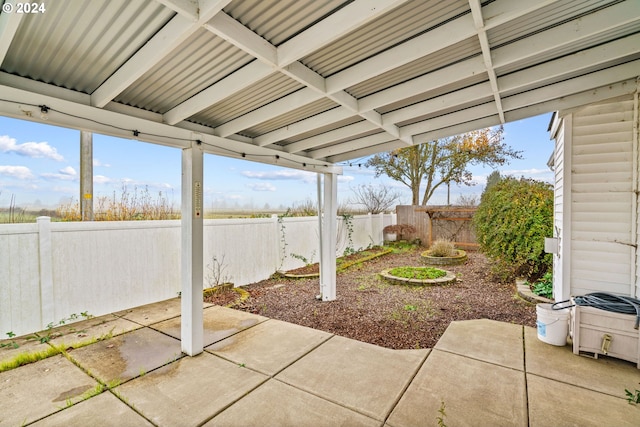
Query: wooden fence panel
[{"x": 440, "y": 222}]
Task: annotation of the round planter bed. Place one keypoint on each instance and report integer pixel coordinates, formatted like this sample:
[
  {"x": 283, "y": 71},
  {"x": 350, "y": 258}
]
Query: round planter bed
[
  {"x": 448, "y": 278},
  {"x": 458, "y": 259}
]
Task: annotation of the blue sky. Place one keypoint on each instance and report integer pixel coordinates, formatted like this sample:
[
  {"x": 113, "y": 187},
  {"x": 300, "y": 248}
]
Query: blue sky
[{"x": 40, "y": 163}]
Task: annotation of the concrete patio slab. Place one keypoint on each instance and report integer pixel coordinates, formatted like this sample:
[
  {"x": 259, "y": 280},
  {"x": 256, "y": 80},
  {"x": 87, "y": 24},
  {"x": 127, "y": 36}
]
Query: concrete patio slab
[
  {"x": 153, "y": 313},
  {"x": 553, "y": 403},
  {"x": 127, "y": 356},
  {"x": 25, "y": 345},
  {"x": 219, "y": 323},
  {"x": 92, "y": 329},
  {"x": 486, "y": 340},
  {"x": 34, "y": 391},
  {"x": 104, "y": 410},
  {"x": 474, "y": 393},
  {"x": 277, "y": 404},
  {"x": 606, "y": 375},
  {"x": 190, "y": 391},
  {"x": 269, "y": 346},
  {"x": 360, "y": 376}
]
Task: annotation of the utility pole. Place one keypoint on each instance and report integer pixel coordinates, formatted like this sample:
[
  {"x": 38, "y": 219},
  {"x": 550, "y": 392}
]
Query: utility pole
[{"x": 86, "y": 176}]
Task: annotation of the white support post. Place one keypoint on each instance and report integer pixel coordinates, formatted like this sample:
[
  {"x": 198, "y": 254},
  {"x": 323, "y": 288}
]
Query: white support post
[
  {"x": 86, "y": 176},
  {"x": 328, "y": 236},
  {"x": 319, "y": 188},
  {"x": 47, "y": 314},
  {"x": 192, "y": 327}
]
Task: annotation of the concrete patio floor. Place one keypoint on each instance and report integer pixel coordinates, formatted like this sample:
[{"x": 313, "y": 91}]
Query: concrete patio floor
[{"x": 257, "y": 371}]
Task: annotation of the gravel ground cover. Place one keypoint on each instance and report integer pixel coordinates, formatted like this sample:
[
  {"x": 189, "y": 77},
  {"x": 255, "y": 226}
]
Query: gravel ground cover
[{"x": 369, "y": 309}]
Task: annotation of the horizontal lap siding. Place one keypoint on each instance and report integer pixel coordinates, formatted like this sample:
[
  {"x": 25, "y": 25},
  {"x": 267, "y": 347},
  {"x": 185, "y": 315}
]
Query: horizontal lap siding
[
  {"x": 558, "y": 212},
  {"x": 602, "y": 199}
]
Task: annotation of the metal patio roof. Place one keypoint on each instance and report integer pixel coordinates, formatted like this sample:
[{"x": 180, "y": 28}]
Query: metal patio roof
[{"x": 310, "y": 83}]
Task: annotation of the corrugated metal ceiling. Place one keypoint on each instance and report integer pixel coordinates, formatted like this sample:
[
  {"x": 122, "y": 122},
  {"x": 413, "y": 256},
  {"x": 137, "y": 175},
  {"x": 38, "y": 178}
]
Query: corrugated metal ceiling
[
  {"x": 78, "y": 44},
  {"x": 199, "y": 62},
  {"x": 227, "y": 77},
  {"x": 403, "y": 23}
]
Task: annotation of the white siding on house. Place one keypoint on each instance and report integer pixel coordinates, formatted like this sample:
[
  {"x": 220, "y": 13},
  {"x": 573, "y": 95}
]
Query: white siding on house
[
  {"x": 603, "y": 201},
  {"x": 560, "y": 284}
]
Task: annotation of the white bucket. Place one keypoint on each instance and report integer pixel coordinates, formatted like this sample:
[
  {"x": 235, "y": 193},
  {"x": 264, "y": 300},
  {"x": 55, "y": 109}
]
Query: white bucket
[{"x": 553, "y": 325}]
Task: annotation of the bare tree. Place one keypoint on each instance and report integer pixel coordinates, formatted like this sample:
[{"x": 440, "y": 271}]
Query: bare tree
[{"x": 375, "y": 199}]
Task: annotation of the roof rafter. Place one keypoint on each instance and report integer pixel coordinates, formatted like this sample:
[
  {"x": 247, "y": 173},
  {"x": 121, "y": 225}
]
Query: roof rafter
[
  {"x": 507, "y": 55},
  {"x": 330, "y": 136},
  {"x": 547, "y": 71},
  {"x": 476, "y": 12},
  {"x": 566, "y": 34},
  {"x": 174, "y": 33},
  {"x": 550, "y": 92},
  {"x": 437, "y": 39},
  {"x": 354, "y": 144},
  {"x": 228, "y": 28}
]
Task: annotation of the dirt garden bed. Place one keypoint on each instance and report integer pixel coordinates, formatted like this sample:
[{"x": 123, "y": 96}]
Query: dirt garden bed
[{"x": 394, "y": 316}]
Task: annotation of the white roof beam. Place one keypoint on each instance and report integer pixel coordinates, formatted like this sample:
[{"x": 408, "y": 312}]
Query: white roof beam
[
  {"x": 332, "y": 28},
  {"x": 186, "y": 8},
  {"x": 225, "y": 26},
  {"x": 476, "y": 12},
  {"x": 330, "y": 136},
  {"x": 416, "y": 48},
  {"x": 245, "y": 76},
  {"x": 457, "y": 129},
  {"x": 503, "y": 11},
  {"x": 174, "y": 33},
  {"x": 568, "y": 87},
  {"x": 74, "y": 115},
  {"x": 9, "y": 23},
  {"x": 298, "y": 99},
  {"x": 303, "y": 126},
  {"x": 473, "y": 113},
  {"x": 585, "y": 59},
  {"x": 354, "y": 144},
  {"x": 363, "y": 152},
  {"x": 439, "y": 103},
  {"x": 425, "y": 83},
  {"x": 626, "y": 87},
  {"x": 554, "y": 92},
  {"x": 522, "y": 79},
  {"x": 567, "y": 34}
]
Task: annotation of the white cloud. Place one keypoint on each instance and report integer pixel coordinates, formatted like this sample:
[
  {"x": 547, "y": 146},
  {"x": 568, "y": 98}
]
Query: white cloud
[
  {"x": 526, "y": 172},
  {"x": 65, "y": 174},
  {"x": 345, "y": 178},
  {"x": 262, "y": 186},
  {"x": 19, "y": 172},
  {"x": 290, "y": 174},
  {"x": 101, "y": 179},
  {"x": 98, "y": 163},
  {"x": 29, "y": 149}
]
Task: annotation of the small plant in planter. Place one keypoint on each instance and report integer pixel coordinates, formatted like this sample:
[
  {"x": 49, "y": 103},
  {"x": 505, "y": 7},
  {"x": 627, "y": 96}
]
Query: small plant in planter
[
  {"x": 398, "y": 232},
  {"x": 443, "y": 252},
  {"x": 420, "y": 276}
]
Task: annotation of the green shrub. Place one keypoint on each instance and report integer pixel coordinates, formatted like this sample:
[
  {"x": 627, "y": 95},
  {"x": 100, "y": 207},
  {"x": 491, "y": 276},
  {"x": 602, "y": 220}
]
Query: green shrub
[{"x": 514, "y": 217}]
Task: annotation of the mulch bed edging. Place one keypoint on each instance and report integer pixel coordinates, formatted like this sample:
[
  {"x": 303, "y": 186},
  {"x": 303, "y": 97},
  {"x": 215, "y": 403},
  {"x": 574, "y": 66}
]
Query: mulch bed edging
[{"x": 341, "y": 268}]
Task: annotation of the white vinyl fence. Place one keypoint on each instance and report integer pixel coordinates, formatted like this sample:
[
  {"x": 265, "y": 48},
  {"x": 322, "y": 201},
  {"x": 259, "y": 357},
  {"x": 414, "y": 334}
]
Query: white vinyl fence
[{"x": 50, "y": 270}]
